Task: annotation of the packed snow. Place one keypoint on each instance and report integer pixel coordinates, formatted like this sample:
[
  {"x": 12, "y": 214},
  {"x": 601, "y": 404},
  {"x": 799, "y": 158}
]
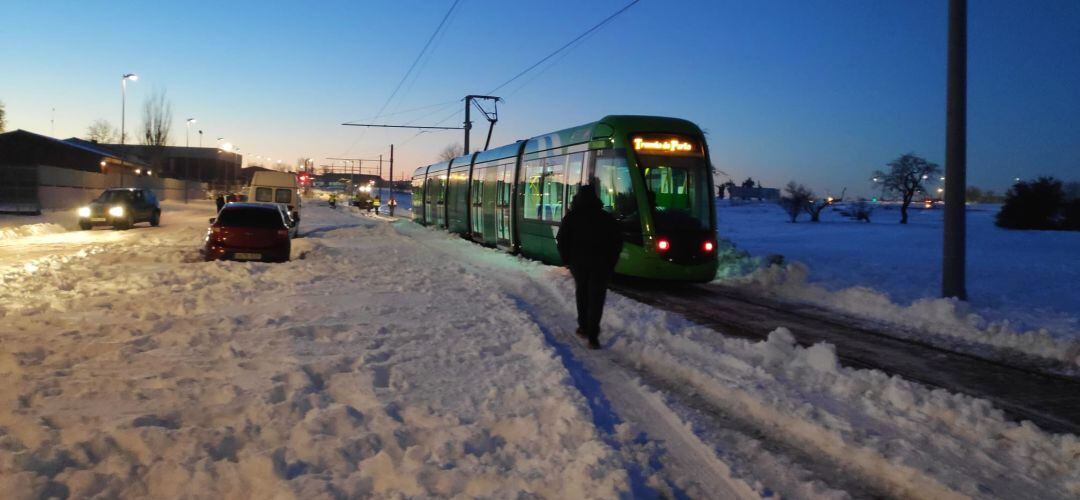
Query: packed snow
[
  {"x": 1020, "y": 283},
  {"x": 387, "y": 359},
  {"x": 49, "y": 222}
]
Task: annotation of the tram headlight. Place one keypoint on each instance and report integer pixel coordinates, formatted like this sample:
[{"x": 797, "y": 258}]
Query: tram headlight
[
  {"x": 663, "y": 245},
  {"x": 708, "y": 246}
]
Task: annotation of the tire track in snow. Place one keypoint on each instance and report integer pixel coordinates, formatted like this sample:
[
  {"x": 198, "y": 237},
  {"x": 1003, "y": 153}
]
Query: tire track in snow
[{"x": 615, "y": 397}]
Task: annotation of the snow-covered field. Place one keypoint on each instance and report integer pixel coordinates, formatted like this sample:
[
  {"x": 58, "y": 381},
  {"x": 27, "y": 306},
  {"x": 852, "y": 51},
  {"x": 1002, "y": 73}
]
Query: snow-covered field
[
  {"x": 1021, "y": 284},
  {"x": 388, "y": 359}
]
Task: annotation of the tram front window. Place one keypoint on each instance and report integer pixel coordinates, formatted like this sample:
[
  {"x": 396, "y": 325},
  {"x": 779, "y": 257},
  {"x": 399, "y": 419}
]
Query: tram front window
[
  {"x": 678, "y": 189},
  {"x": 612, "y": 181}
]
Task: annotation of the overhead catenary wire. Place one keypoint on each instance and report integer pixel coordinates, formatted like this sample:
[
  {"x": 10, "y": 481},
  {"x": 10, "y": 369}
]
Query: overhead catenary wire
[
  {"x": 566, "y": 45},
  {"x": 412, "y": 66},
  {"x": 561, "y": 50},
  {"x": 418, "y": 57}
]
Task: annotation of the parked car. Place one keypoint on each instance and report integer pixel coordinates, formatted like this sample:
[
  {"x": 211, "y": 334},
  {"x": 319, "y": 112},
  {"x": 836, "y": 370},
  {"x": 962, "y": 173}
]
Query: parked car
[
  {"x": 121, "y": 208},
  {"x": 248, "y": 231}
]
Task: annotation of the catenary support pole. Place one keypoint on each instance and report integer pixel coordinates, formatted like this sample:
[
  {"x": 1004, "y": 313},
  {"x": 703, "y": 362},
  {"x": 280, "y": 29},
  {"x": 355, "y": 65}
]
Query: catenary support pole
[
  {"x": 468, "y": 122},
  {"x": 953, "y": 262}
]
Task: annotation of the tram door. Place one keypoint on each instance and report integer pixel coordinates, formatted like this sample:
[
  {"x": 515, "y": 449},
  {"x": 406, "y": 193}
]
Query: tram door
[
  {"x": 476, "y": 202},
  {"x": 504, "y": 182},
  {"x": 430, "y": 197},
  {"x": 487, "y": 210}
]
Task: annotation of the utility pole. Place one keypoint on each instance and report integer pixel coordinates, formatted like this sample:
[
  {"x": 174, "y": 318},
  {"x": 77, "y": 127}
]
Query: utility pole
[
  {"x": 380, "y": 179},
  {"x": 393, "y": 200},
  {"x": 954, "y": 258}
]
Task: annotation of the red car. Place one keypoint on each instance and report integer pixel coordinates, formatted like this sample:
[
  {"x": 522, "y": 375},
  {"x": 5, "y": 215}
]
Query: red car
[{"x": 248, "y": 231}]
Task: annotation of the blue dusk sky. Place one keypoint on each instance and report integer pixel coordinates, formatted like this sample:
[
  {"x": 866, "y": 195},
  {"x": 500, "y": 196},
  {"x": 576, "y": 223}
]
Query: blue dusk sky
[{"x": 822, "y": 92}]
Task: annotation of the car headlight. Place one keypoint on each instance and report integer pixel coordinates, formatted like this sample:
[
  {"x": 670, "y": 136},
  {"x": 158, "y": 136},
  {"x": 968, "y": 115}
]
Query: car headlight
[
  {"x": 116, "y": 211},
  {"x": 84, "y": 212}
]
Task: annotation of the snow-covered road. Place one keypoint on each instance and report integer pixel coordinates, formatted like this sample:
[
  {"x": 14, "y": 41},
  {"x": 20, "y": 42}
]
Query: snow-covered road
[{"x": 391, "y": 359}]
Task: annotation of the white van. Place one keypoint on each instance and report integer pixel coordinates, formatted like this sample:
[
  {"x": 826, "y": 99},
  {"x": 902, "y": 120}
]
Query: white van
[{"x": 276, "y": 187}]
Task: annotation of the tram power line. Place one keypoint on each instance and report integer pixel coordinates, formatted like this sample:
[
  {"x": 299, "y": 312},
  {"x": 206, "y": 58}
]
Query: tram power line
[
  {"x": 418, "y": 57},
  {"x": 566, "y": 45}
]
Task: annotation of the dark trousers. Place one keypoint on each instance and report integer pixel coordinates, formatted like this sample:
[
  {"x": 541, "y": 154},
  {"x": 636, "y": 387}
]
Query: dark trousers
[{"x": 590, "y": 289}]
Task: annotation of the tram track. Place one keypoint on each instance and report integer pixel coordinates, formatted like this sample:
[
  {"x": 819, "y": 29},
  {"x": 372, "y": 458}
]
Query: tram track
[{"x": 1050, "y": 400}]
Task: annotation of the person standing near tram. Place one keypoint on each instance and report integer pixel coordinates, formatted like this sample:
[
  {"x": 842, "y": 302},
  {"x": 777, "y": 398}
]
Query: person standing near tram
[{"x": 589, "y": 243}]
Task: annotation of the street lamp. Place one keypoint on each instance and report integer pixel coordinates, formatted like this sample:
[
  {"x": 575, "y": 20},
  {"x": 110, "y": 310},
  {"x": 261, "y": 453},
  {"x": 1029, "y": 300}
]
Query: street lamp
[
  {"x": 123, "y": 101},
  {"x": 187, "y": 141}
]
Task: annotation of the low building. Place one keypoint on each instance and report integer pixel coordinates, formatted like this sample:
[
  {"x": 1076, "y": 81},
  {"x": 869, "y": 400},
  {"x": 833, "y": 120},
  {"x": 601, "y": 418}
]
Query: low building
[
  {"x": 38, "y": 172},
  {"x": 753, "y": 193},
  {"x": 219, "y": 169}
]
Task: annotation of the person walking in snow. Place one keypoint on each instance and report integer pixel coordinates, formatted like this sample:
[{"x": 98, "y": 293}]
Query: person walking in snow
[
  {"x": 219, "y": 201},
  {"x": 589, "y": 243}
]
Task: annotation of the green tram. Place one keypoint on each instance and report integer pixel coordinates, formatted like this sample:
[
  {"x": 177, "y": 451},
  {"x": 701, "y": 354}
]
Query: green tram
[{"x": 652, "y": 173}]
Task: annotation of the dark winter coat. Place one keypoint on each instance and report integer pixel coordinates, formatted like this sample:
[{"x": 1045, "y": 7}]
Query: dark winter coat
[{"x": 589, "y": 237}]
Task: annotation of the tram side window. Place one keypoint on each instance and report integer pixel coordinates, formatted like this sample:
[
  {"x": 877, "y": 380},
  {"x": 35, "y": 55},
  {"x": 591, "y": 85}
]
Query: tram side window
[
  {"x": 417, "y": 188},
  {"x": 554, "y": 174},
  {"x": 574, "y": 164},
  {"x": 613, "y": 185},
  {"x": 477, "y": 188},
  {"x": 534, "y": 189}
]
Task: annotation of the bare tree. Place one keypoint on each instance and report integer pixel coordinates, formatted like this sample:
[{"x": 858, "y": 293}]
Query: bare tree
[
  {"x": 157, "y": 119},
  {"x": 815, "y": 207},
  {"x": 102, "y": 131},
  {"x": 861, "y": 210},
  {"x": 450, "y": 152},
  {"x": 3, "y": 119},
  {"x": 797, "y": 199},
  {"x": 907, "y": 176}
]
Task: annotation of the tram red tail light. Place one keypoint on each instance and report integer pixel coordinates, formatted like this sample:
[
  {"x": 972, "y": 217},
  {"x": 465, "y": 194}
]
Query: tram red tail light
[
  {"x": 708, "y": 246},
  {"x": 663, "y": 245}
]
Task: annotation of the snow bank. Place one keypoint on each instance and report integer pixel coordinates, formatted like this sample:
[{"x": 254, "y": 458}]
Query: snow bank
[
  {"x": 913, "y": 441},
  {"x": 939, "y": 317},
  {"x": 31, "y": 230}
]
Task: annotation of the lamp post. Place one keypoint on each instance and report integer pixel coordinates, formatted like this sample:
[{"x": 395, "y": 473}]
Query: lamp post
[
  {"x": 123, "y": 117},
  {"x": 123, "y": 101},
  {"x": 187, "y": 137},
  {"x": 200, "y": 138}
]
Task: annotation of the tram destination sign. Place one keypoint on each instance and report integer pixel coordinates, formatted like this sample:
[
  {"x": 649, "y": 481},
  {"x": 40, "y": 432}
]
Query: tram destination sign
[{"x": 662, "y": 145}]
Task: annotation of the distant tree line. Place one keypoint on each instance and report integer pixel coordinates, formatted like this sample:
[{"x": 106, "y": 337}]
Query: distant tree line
[{"x": 1045, "y": 203}]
